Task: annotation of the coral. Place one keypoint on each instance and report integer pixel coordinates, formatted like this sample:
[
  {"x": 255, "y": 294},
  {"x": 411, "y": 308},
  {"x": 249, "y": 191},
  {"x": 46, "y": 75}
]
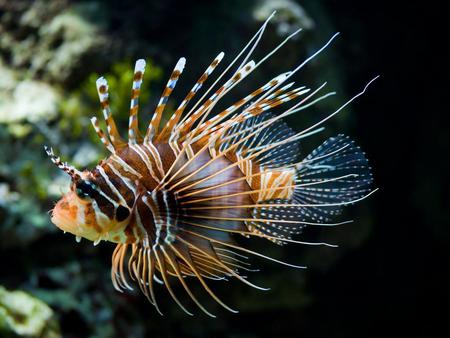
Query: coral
[
  {"x": 39, "y": 103},
  {"x": 50, "y": 41},
  {"x": 24, "y": 315},
  {"x": 290, "y": 15}
]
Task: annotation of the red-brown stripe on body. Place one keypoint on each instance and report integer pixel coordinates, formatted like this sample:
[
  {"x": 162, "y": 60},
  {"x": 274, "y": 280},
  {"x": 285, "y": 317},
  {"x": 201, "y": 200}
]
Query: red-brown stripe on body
[
  {"x": 89, "y": 218},
  {"x": 166, "y": 154},
  {"x": 134, "y": 160},
  {"x": 103, "y": 185},
  {"x": 119, "y": 183}
]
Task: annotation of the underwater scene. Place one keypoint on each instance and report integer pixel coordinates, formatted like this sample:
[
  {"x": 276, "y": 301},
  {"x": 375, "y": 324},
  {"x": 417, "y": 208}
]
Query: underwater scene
[{"x": 218, "y": 169}]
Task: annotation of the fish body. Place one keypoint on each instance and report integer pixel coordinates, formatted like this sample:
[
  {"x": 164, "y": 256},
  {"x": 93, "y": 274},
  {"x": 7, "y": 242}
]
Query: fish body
[{"x": 175, "y": 197}]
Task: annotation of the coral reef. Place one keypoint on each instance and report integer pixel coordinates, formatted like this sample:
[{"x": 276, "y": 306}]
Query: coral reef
[{"x": 24, "y": 315}]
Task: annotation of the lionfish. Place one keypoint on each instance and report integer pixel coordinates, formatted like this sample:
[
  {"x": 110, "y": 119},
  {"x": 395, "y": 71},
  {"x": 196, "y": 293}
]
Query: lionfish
[{"x": 174, "y": 198}]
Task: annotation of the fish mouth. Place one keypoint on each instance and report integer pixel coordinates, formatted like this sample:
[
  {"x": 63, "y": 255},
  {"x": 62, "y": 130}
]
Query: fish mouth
[
  {"x": 64, "y": 222},
  {"x": 65, "y": 217}
]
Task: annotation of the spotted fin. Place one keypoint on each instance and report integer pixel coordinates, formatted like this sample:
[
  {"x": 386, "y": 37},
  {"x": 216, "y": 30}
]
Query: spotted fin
[{"x": 335, "y": 174}]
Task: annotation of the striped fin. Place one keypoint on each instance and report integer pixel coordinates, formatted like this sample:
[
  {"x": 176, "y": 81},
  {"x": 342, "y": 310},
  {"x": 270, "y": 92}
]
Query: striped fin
[
  {"x": 336, "y": 172},
  {"x": 213, "y": 99},
  {"x": 102, "y": 90},
  {"x": 295, "y": 70},
  {"x": 133, "y": 129},
  {"x": 252, "y": 44},
  {"x": 268, "y": 104},
  {"x": 227, "y": 112},
  {"x": 252, "y": 111},
  {"x": 64, "y": 166},
  {"x": 277, "y": 131},
  {"x": 238, "y": 121},
  {"x": 179, "y": 112},
  {"x": 186, "y": 252},
  {"x": 280, "y": 91},
  {"x": 102, "y": 135},
  {"x": 256, "y": 37},
  {"x": 274, "y": 212},
  {"x": 339, "y": 177},
  {"x": 157, "y": 115}
]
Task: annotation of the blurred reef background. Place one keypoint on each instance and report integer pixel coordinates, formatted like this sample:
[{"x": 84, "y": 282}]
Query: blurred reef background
[{"x": 387, "y": 270}]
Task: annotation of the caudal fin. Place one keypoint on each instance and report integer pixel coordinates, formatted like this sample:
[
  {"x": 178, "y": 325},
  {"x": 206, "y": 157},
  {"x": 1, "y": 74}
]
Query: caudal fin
[{"x": 335, "y": 174}]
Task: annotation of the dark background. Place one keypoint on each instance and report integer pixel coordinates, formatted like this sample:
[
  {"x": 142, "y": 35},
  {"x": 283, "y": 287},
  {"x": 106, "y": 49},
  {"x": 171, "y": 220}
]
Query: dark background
[{"x": 388, "y": 277}]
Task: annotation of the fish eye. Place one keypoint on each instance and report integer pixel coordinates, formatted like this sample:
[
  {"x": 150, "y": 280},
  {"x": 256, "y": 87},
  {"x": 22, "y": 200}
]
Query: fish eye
[
  {"x": 86, "y": 189},
  {"x": 122, "y": 213}
]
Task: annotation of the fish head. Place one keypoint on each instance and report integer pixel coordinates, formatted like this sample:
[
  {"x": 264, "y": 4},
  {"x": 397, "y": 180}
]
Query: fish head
[{"x": 88, "y": 211}]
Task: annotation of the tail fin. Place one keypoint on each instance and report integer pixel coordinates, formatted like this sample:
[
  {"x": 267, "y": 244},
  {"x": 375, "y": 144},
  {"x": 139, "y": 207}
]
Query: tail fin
[
  {"x": 335, "y": 174},
  {"x": 332, "y": 176}
]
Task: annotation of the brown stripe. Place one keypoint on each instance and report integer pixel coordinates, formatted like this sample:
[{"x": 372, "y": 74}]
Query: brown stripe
[
  {"x": 175, "y": 75},
  {"x": 237, "y": 76},
  {"x": 133, "y": 159},
  {"x": 118, "y": 183},
  {"x": 146, "y": 219},
  {"x": 134, "y": 111},
  {"x": 258, "y": 91},
  {"x": 190, "y": 96},
  {"x": 104, "y": 104},
  {"x": 167, "y": 92},
  {"x": 220, "y": 90},
  {"x": 102, "y": 89},
  {"x": 129, "y": 232},
  {"x": 240, "y": 102},
  {"x": 135, "y": 93},
  {"x": 103, "y": 185},
  {"x": 105, "y": 206},
  {"x": 89, "y": 218}
]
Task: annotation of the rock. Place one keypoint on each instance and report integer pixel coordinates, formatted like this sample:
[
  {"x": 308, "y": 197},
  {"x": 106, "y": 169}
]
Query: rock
[
  {"x": 290, "y": 15},
  {"x": 23, "y": 315},
  {"x": 43, "y": 47},
  {"x": 6, "y": 195},
  {"x": 51, "y": 42},
  {"x": 30, "y": 101}
]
